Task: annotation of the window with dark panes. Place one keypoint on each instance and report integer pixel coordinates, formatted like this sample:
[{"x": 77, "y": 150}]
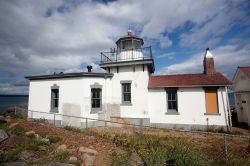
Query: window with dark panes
[
  {"x": 96, "y": 97},
  {"x": 54, "y": 99},
  {"x": 172, "y": 100},
  {"x": 126, "y": 92}
]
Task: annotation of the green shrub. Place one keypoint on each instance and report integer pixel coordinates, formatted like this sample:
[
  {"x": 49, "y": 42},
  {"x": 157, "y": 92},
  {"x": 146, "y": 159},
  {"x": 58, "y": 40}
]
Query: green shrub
[
  {"x": 120, "y": 160},
  {"x": 41, "y": 120},
  {"x": 181, "y": 154},
  {"x": 18, "y": 130},
  {"x": 53, "y": 139},
  {"x": 11, "y": 155},
  {"x": 71, "y": 128},
  {"x": 154, "y": 154},
  {"x": 16, "y": 115},
  {"x": 62, "y": 156}
]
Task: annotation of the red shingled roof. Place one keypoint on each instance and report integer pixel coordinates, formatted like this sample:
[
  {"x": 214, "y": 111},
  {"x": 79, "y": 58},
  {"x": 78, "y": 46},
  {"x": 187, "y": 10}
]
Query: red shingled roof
[
  {"x": 187, "y": 80},
  {"x": 246, "y": 70}
]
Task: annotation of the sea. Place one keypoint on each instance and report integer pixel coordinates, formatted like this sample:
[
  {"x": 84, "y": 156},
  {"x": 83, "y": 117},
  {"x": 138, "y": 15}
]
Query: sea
[{"x": 7, "y": 101}]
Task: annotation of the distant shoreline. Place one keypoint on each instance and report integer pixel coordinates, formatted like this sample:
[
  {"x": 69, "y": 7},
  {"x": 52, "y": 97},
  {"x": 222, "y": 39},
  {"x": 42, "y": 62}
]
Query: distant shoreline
[{"x": 10, "y": 95}]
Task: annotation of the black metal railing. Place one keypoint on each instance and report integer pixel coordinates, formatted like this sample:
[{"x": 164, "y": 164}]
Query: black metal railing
[{"x": 126, "y": 55}]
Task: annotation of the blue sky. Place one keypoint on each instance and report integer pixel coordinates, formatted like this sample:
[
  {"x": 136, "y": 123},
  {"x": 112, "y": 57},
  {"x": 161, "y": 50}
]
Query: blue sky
[{"x": 40, "y": 37}]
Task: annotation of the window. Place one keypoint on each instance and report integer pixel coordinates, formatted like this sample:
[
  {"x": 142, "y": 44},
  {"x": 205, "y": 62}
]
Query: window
[
  {"x": 211, "y": 101},
  {"x": 54, "y": 100},
  {"x": 96, "y": 94},
  {"x": 126, "y": 93},
  {"x": 127, "y": 44},
  {"x": 172, "y": 100}
]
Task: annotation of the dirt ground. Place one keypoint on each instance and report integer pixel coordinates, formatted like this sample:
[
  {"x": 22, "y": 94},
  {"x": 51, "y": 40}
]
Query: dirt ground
[{"x": 73, "y": 140}]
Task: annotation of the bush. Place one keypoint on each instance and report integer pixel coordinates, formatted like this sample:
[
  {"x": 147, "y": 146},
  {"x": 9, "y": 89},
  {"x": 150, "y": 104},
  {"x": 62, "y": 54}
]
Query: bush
[
  {"x": 41, "y": 120},
  {"x": 16, "y": 115},
  {"x": 53, "y": 139},
  {"x": 154, "y": 155},
  {"x": 71, "y": 128},
  {"x": 181, "y": 154},
  {"x": 120, "y": 160},
  {"x": 62, "y": 156},
  {"x": 18, "y": 130}
]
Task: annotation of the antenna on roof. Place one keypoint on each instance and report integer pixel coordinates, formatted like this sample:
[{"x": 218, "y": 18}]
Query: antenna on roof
[{"x": 129, "y": 31}]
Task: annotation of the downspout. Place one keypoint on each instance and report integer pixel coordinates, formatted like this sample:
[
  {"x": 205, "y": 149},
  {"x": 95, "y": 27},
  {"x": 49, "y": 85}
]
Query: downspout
[
  {"x": 229, "y": 112},
  {"x": 226, "y": 118}
]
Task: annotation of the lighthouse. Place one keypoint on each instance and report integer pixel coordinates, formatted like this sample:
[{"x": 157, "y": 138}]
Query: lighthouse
[{"x": 129, "y": 52}]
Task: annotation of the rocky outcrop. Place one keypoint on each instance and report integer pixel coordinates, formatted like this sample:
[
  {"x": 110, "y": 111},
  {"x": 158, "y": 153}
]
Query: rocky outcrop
[
  {"x": 88, "y": 155},
  {"x": 3, "y": 135}
]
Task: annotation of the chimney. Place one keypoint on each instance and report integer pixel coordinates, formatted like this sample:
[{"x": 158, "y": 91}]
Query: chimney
[
  {"x": 89, "y": 67},
  {"x": 208, "y": 63}
]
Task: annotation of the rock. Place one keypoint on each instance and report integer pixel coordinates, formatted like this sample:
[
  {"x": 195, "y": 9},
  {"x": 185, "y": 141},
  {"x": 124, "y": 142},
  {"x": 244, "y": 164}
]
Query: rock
[
  {"x": 62, "y": 147},
  {"x": 2, "y": 120},
  {"x": 13, "y": 125},
  {"x": 27, "y": 154},
  {"x": 42, "y": 148},
  {"x": 30, "y": 133},
  {"x": 45, "y": 140},
  {"x": 72, "y": 158},
  {"x": 88, "y": 159},
  {"x": 3, "y": 135},
  {"x": 37, "y": 136},
  {"x": 14, "y": 140},
  {"x": 87, "y": 150},
  {"x": 135, "y": 159},
  {"x": 15, "y": 164},
  {"x": 57, "y": 164}
]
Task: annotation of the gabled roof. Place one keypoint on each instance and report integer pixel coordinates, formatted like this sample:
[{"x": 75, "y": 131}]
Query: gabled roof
[
  {"x": 245, "y": 70},
  {"x": 188, "y": 80},
  {"x": 68, "y": 75}
]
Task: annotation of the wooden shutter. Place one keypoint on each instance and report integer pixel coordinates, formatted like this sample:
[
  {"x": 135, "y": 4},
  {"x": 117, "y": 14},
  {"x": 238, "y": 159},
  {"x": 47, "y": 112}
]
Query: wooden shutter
[{"x": 211, "y": 101}]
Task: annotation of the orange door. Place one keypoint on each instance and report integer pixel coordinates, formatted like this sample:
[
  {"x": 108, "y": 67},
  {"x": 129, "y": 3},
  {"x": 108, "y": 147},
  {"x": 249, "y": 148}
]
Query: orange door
[{"x": 211, "y": 101}]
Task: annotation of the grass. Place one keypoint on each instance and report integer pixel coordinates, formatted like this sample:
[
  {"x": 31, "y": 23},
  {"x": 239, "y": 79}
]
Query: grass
[
  {"x": 17, "y": 130},
  {"x": 71, "y": 128},
  {"x": 53, "y": 139},
  {"x": 12, "y": 154},
  {"x": 41, "y": 120},
  {"x": 120, "y": 160}
]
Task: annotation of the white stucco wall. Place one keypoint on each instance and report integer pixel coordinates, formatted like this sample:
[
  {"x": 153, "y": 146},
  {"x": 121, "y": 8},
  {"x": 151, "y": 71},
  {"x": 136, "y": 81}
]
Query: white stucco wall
[
  {"x": 241, "y": 87},
  {"x": 241, "y": 82},
  {"x": 191, "y": 107},
  {"x": 242, "y": 105},
  {"x": 74, "y": 97},
  {"x": 139, "y": 91}
]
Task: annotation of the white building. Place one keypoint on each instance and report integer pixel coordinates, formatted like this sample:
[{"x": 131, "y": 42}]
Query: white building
[
  {"x": 241, "y": 87},
  {"x": 128, "y": 92}
]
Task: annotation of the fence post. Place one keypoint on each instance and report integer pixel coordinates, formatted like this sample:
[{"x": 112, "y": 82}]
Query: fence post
[
  {"x": 15, "y": 110},
  {"x": 225, "y": 145},
  {"x": 54, "y": 119},
  {"x": 31, "y": 114},
  {"x": 86, "y": 123}
]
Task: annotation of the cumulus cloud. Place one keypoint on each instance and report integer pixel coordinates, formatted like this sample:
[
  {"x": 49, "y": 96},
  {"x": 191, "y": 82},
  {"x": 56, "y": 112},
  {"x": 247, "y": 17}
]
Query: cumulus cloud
[
  {"x": 38, "y": 37},
  {"x": 227, "y": 58}
]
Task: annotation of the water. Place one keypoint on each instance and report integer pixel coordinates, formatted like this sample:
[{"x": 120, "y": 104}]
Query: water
[
  {"x": 13, "y": 100},
  {"x": 231, "y": 99}
]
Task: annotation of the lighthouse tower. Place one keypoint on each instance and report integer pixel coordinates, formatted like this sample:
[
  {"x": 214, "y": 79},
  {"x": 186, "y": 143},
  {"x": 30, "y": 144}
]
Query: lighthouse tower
[
  {"x": 131, "y": 64},
  {"x": 129, "y": 51}
]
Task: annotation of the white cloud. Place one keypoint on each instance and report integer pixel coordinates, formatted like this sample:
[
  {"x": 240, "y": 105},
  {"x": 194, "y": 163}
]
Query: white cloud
[
  {"x": 169, "y": 55},
  {"x": 44, "y": 36},
  {"x": 226, "y": 58}
]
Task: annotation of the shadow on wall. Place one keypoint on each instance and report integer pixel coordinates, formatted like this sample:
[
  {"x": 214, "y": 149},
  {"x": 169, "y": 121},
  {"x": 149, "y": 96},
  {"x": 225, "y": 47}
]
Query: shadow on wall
[{"x": 71, "y": 110}]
